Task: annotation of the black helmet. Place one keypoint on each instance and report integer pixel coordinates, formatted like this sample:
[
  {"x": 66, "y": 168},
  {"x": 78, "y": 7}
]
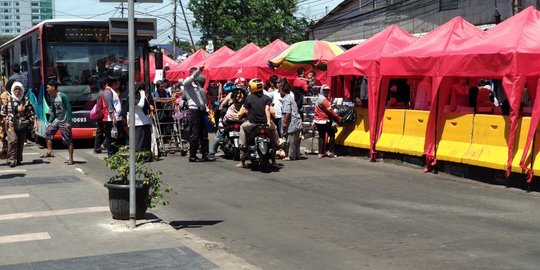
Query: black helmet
[{"x": 119, "y": 71}]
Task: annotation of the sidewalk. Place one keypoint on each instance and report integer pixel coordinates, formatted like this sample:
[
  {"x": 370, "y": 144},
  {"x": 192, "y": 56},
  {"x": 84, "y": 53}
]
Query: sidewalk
[{"x": 53, "y": 216}]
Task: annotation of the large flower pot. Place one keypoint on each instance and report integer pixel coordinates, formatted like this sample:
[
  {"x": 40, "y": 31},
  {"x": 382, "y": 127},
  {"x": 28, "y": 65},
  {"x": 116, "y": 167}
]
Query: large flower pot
[{"x": 119, "y": 200}]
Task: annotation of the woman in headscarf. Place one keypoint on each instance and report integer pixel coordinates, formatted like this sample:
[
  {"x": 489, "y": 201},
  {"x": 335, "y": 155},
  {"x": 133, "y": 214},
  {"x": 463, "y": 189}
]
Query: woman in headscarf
[
  {"x": 4, "y": 98},
  {"x": 17, "y": 112}
]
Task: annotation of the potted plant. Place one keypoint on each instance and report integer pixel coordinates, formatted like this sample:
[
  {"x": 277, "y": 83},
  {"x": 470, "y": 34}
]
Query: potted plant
[{"x": 149, "y": 186}]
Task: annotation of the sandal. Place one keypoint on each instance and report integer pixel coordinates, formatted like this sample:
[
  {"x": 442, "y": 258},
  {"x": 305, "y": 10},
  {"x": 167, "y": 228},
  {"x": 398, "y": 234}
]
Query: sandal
[
  {"x": 47, "y": 155},
  {"x": 69, "y": 162},
  {"x": 240, "y": 165}
]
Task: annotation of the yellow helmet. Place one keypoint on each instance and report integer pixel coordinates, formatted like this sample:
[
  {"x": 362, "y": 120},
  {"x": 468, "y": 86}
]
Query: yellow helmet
[{"x": 255, "y": 85}]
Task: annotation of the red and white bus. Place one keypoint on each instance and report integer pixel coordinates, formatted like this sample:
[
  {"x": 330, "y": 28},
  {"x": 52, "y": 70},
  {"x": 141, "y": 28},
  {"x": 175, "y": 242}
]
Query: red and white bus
[{"x": 77, "y": 53}]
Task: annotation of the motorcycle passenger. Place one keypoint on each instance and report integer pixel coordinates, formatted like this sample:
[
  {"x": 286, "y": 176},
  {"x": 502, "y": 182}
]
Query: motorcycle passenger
[
  {"x": 235, "y": 97},
  {"x": 228, "y": 87},
  {"x": 257, "y": 110},
  {"x": 238, "y": 97}
]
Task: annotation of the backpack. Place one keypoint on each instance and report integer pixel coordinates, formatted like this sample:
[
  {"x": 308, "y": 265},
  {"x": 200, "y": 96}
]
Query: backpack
[{"x": 97, "y": 111}]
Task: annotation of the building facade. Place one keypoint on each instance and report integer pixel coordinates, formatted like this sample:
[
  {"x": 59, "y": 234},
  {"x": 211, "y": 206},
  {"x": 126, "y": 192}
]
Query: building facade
[
  {"x": 18, "y": 16},
  {"x": 355, "y": 20}
]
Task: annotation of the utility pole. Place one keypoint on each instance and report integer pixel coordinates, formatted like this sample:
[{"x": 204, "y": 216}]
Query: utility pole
[
  {"x": 187, "y": 25},
  {"x": 122, "y": 9},
  {"x": 174, "y": 30},
  {"x": 131, "y": 93}
]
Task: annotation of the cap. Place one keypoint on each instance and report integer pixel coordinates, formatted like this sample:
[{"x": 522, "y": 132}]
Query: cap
[{"x": 324, "y": 87}]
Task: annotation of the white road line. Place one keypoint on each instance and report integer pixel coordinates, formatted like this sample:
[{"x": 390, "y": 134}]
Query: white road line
[
  {"x": 13, "y": 171},
  {"x": 24, "y": 237},
  {"x": 14, "y": 196},
  {"x": 30, "y": 153},
  {"x": 54, "y": 213}
]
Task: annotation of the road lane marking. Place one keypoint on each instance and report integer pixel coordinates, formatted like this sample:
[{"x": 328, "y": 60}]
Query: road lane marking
[
  {"x": 14, "y": 196},
  {"x": 13, "y": 171},
  {"x": 30, "y": 153},
  {"x": 54, "y": 213},
  {"x": 24, "y": 237}
]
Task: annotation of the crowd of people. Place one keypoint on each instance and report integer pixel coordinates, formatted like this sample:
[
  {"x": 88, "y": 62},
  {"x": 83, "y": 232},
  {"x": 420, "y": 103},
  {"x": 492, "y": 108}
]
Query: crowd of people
[
  {"x": 275, "y": 103},
  {"x": 18, "y": 118}
]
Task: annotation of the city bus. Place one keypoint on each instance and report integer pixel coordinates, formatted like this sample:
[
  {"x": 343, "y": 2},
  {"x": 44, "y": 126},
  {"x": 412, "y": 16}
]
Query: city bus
[{"x": 76, "y": 53}]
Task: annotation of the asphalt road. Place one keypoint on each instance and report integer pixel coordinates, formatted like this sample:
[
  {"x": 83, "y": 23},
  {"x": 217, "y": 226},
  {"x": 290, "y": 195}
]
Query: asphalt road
[{"x": 348, "y": 213}]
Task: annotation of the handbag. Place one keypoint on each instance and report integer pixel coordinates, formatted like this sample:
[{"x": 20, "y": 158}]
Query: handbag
[
  {"x": 20, "y": 123},
  {"x": 347, "y": 115}
]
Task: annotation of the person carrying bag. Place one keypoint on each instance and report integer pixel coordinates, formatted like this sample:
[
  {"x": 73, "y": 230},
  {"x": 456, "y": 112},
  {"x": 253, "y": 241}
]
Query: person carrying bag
[
  {"x": 323, "y": 121},
  {"x": 19, "y": 116}
]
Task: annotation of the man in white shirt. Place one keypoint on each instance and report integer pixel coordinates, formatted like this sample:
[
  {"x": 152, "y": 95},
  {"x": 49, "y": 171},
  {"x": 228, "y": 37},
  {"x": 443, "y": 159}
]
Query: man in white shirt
[{"x": 198, "y": 109}]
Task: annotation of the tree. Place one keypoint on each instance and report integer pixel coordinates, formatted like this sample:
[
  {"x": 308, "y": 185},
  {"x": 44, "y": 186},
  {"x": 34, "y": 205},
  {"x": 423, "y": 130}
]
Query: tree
[
  {"x": 184, "y": 45},
  {"x": 235, "y": 23}
]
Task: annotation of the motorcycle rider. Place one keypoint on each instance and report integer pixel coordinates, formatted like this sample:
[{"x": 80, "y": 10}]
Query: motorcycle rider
[
  {"x": 237, "y": 99},
  {"x": 257, "y": 110}
]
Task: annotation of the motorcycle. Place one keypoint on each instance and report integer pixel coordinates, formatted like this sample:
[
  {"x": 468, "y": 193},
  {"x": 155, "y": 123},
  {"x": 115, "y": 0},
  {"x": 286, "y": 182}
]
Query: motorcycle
[
  {"x": 230, "y": 144},
  {"x": 260, "y": 150}
]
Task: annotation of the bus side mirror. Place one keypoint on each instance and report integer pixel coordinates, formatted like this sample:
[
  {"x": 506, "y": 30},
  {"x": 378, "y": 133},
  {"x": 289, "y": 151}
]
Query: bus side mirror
[{"x": 36, "y": 75}]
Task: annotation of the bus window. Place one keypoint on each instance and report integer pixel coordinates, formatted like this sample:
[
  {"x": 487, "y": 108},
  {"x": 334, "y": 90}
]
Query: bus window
[{"x": 79, "y": 68}]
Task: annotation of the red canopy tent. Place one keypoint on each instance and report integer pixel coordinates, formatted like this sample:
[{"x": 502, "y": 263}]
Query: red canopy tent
[
  {"x": 423, "y": 58},
  {"x": 182, "y": 69},
  {"x": 216, "y": 58},
  {"x": 363, "y": 60},
  {"x": 256, "y": 65},
  {"x": 226, "y": 70},
  {"x": 510, "y": 51}
]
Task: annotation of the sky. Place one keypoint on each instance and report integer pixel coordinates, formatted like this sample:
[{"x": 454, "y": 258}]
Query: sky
[{"x": 94, "y": 9}]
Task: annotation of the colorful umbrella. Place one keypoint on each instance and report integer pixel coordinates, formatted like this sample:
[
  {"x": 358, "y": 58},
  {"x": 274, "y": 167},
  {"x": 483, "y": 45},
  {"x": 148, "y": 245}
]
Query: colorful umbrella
[{"x": 310, "y": 52}]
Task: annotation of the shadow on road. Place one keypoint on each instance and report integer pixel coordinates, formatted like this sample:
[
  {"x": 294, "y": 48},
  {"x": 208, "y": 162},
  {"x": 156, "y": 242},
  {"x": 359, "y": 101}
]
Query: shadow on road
[
  {"x": 12, "y": 175},
  {"x": 191, "y": 224}
]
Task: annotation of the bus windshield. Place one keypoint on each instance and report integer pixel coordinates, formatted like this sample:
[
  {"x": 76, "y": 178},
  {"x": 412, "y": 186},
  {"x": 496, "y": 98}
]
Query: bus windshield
[{"x": 80, "y": 67}]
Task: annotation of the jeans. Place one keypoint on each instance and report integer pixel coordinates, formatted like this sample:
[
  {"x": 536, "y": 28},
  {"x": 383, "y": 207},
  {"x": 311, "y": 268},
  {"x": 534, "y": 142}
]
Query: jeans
[
  {"x": 277, "y": 122},
  {"x": 215, "y": 142}
]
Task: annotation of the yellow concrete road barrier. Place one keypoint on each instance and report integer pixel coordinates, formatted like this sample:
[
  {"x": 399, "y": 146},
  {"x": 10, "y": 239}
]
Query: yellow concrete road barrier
[
  {"x": 455, "y": 136},
  {"x": 359, "y": 137},
  {"x": 489, "y": 147},
  {"x": 521, "y": 138},
  {"x": 536, "y": 161},
  {"x": 414, "y": 133},
  {"x": 355, "y": 134},
  {"x": 392, "y": 130}
]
